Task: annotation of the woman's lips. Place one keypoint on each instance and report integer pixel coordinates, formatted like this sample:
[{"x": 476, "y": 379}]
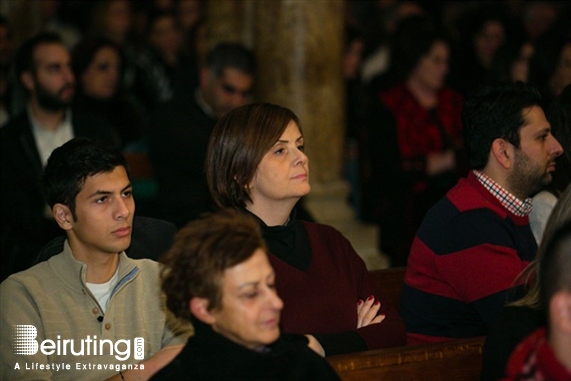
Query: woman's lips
[{"x": 271, "y": 323}]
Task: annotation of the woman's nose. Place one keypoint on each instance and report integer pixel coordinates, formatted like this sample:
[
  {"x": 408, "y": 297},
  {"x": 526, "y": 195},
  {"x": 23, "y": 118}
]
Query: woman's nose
[{"x": 301, "y": 158}]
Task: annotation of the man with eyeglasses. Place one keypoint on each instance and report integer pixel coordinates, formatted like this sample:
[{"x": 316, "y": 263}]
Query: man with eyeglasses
[{"x": 180, "y": 129}]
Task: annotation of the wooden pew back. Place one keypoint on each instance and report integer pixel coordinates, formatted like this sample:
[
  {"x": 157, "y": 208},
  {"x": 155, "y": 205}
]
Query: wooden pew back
[{"x": 455, "y": 360}]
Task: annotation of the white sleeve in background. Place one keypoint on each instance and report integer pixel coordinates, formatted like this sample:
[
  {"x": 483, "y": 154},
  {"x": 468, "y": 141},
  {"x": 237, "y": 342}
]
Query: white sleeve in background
[{"x": 543, "y": 204}]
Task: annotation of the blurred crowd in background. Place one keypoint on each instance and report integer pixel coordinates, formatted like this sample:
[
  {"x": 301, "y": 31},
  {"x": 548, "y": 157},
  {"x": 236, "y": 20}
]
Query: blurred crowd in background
[{"x": 408, "y": 66}]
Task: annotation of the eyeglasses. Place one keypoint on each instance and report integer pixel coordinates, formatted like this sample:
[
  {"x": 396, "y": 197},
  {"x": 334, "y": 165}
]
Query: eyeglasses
[{"x": 229, "y": 89}]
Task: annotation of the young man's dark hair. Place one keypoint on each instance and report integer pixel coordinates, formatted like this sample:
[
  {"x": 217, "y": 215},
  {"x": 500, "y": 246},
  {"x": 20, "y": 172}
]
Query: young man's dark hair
[
  {"x": 70, "y": 164},
  {"x": 495, "y": 112}
]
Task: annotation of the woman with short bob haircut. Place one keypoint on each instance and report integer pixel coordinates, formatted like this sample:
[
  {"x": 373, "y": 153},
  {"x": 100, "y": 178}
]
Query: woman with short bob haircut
[
  {"x": 217, "y": 275},
  {"x": 255, "y": 127},
  {"x": 256, "y": 163}
]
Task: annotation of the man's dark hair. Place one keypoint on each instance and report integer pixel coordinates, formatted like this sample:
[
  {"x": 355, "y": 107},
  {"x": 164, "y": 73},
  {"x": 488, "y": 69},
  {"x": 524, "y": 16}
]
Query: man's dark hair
[
  {"x": 69, "y": 166},
  {"x": 231, "y": 55},
  {"x": 495, "y": 112},
  {"x": 25, "y": 56}
]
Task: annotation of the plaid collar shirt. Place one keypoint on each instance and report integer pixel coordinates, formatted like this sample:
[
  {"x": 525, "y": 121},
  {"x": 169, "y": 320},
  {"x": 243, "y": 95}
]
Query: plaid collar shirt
[{"x": 509, "y": 201}]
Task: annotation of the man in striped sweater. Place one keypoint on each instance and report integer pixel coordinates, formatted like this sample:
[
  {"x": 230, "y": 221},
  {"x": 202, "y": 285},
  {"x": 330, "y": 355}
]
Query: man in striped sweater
[{"x": 475, "y": 241}]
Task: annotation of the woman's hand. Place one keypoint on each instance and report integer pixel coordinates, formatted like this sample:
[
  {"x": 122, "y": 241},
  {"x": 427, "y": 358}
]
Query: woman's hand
[
  {"x": 367, "y": 312},
  {"x": 366, "y": 315},
  {"x": 315, "y": 345}
]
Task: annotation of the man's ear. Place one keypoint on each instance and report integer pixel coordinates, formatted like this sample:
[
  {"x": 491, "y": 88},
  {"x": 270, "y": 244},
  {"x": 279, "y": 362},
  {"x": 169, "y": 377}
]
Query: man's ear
[
  {"x": 27, "y": 80},
  {"x": 63, "y": 217},
  {"x": 503, "y": 152},
  {"x": 199, "y": 308},
  {"x": 560, "y": 311}
]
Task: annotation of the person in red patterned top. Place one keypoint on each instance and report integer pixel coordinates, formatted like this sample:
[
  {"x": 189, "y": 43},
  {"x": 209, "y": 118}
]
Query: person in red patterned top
[
  {"x": 546, "y": 353},
  {"x": 415, "y": 135}
]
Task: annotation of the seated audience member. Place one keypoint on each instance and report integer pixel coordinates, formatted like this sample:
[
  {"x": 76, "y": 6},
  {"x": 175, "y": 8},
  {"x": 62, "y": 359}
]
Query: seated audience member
[
  {"x": 414, "y": 135},
  {"x": 218, "y": 276},
  {"x": 43, "y": 68},
  {"x": 549, "y": 67},
  {"x": 8, "y": 96},
  {"x": 190, "y": 15},
  {"x": 481, "y": 31},
  {"x": 91, "y": 289},
  {"x": 512, "y": 60},
  {"x": 256, "y": 163},
  {"x": 475, "y": 241},
  {"x": 546, "y": 353},
  {"x": 98, "y": 65},
  {"x": 520, "y": 318},
  {"x": 111, "y": 19},
  {"x": 179, "y": 131},
  {"x": 166, "y": 67},
  {"x": 116, "y": 20},
  {"x": 559, "y": 115}
]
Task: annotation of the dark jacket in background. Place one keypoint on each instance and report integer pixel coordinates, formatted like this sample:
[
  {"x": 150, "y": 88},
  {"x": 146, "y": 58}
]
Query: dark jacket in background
[
  {"x": 178, "y": 138},
  {"x": 25, "y": 228}
]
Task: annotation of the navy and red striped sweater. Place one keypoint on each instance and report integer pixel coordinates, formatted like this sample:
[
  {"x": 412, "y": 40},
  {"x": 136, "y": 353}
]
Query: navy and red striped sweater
[{"x": 462, "y": 264}]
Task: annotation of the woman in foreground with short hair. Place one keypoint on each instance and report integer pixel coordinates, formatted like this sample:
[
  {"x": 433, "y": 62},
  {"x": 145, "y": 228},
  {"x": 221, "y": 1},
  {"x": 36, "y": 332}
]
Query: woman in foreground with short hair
[{"x": 218, "y": 276}]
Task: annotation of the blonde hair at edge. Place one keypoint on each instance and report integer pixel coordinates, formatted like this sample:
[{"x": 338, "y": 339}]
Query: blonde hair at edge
[{"x": 560, "y": 214}]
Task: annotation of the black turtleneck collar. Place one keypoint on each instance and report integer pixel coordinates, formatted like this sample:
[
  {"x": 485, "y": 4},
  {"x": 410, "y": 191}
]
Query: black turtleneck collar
[
  {"x": 289, "y": 243},
  {"x": 222, "y": 357},
  {"x": 211, "y": 356}
]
